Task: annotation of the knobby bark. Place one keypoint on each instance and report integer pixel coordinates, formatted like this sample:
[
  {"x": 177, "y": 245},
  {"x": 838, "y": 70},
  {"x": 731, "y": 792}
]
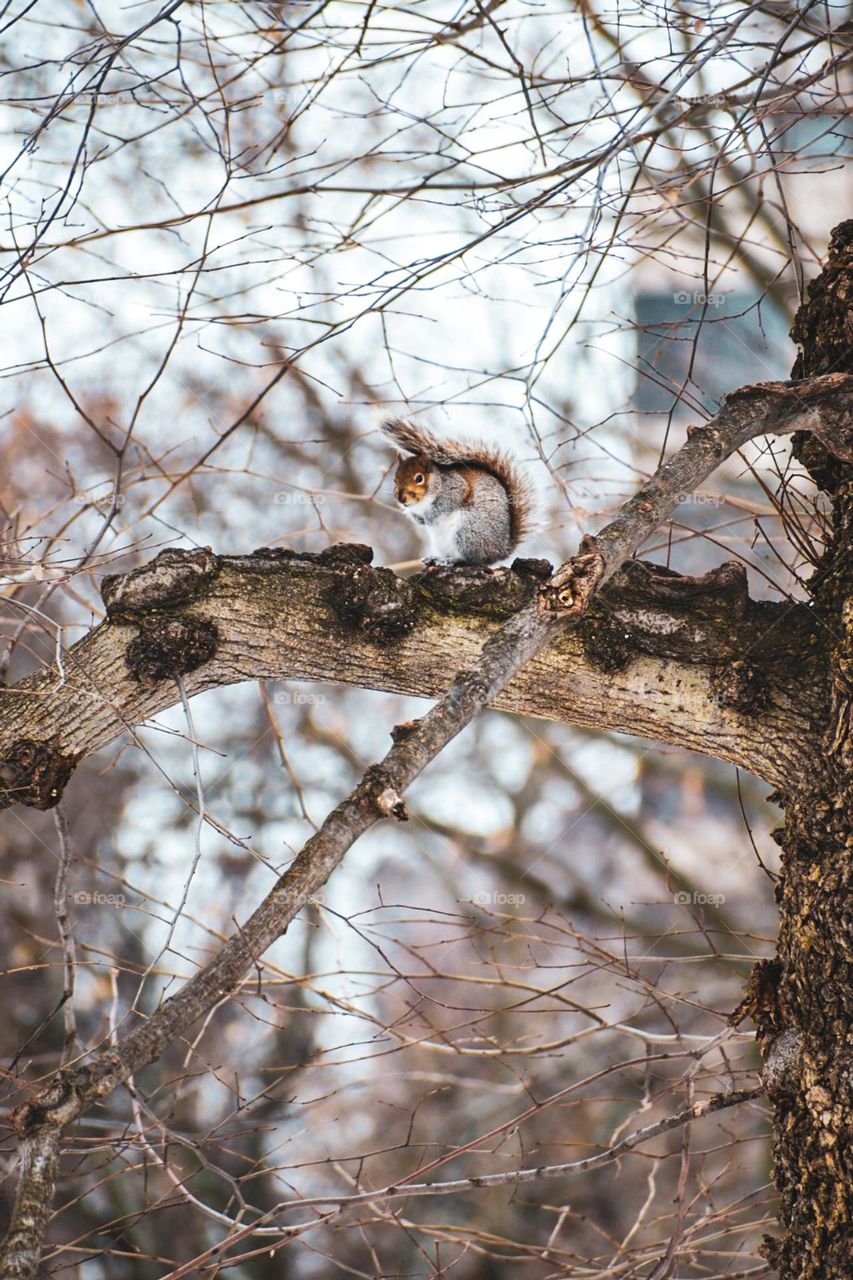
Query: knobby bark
[
  {"x": 168, "y": 622},
  {"x": 802, "y": 1000},
  {"x": 689, "y": 661}
]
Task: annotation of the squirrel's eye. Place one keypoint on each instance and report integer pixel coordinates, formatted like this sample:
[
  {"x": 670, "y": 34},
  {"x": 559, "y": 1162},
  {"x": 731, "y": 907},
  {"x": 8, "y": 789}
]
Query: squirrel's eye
[{"x": 419, "y": 478}]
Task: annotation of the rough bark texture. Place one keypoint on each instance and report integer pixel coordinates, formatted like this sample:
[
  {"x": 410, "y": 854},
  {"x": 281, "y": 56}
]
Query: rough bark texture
[
  {"x": 802, "y": 1001},
  {"x": 689, "y": 661},
  {"x": 185, "y": 616}
]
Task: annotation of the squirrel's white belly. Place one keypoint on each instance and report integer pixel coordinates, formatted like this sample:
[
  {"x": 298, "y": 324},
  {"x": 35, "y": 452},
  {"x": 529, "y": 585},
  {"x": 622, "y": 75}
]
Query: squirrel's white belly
[
  {"x": 444, "y": 536},
  {"x": 442, "y": 532}
]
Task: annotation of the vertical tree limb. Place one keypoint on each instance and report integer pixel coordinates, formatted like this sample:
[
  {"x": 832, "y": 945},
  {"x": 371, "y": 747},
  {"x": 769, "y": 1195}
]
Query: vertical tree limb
[{"x": 802, "y": 1001}]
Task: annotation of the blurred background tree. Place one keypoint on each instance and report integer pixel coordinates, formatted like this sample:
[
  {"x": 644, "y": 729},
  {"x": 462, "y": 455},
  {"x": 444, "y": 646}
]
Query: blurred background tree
[{"x": 235, "y": 235}]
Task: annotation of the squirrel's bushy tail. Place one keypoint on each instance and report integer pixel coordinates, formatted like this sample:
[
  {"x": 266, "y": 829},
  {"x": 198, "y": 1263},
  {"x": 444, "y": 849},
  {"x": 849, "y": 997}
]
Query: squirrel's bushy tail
[{"x": 453, "y": 453}]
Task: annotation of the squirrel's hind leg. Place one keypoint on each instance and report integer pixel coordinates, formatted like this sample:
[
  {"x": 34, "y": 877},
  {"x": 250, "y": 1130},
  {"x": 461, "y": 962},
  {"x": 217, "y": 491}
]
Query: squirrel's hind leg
[{"x": 480, "y": 542}]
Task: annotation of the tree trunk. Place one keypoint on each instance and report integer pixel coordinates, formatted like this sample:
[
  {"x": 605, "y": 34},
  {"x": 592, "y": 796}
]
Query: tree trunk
[
  {"x": 802, "y": 1001},
  {"x": 685, "y": 660}
]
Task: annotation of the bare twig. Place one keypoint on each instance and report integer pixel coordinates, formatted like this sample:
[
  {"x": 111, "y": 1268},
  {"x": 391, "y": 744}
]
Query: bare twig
[{"x": 560, "y": 604}]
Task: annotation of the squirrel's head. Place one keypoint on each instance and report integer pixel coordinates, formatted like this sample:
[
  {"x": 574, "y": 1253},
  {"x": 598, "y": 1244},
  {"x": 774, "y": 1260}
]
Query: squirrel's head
[{"x": 412, "y": 479}]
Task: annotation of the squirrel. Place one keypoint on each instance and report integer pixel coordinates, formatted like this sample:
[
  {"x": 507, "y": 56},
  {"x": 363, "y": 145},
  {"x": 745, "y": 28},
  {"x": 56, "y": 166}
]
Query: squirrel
[{"x": 472, "y": 498}]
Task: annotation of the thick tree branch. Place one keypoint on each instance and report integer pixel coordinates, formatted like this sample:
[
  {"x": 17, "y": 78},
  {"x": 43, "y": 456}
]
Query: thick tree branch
[
  {"x": 692, "y": 662},
  {"x": 191, "y": 640},
  {"x": 217, "y": 620}
]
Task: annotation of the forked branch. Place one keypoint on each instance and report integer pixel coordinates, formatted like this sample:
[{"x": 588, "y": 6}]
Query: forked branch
[{"x": 820, "y": 405}]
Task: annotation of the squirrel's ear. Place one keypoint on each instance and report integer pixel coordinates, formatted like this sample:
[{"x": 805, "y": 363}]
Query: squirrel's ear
[{"x": 401, "y": 457}]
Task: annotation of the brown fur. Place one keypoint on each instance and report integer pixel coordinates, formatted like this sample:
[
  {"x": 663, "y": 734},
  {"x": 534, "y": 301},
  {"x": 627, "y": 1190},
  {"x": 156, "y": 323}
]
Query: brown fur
[
  {"x": 472, "y": 477},
  {"x": 405, "y": 485}
]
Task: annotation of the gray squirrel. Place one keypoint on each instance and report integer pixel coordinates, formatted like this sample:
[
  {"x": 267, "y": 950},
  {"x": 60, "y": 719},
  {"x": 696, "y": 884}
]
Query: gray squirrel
[{"x": 471, "y": 497}]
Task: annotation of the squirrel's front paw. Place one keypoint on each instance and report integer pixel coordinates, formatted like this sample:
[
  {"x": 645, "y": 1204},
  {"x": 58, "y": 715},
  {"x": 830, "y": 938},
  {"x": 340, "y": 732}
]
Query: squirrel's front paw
[{"x": 438, "y": 562}]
